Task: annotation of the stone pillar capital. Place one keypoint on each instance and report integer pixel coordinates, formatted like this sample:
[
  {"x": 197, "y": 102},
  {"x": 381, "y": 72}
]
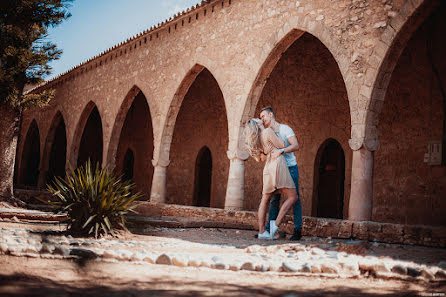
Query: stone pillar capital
[
  {"x": 242, "y": 155},
  {"x": 371, "y": 144}
]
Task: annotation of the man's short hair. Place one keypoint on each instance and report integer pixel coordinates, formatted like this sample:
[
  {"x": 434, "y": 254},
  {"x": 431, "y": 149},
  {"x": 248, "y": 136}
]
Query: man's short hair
[{"x": 269, "y": 109}]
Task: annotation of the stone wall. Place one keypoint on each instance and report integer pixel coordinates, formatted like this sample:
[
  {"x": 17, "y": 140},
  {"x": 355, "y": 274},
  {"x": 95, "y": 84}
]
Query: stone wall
[
  {"x": 202, "y": 121},
  {"x": 407, "y": 190},
  {"x": 307, "y": 93}
]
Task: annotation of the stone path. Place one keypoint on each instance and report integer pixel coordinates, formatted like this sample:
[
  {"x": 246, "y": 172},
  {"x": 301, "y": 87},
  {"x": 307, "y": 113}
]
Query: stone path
[{"x": 343, "y": 259}]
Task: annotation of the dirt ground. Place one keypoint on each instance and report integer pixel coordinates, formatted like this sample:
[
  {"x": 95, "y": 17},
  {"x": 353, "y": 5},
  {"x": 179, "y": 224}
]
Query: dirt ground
[{"x": 27, "y": 276}]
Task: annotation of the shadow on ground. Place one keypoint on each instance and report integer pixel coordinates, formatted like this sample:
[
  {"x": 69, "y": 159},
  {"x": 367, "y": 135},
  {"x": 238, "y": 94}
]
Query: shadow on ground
[{"x": 25, "y": 285}]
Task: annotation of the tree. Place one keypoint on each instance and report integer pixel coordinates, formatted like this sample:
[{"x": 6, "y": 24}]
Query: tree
[{"x": 24, "y": 57}]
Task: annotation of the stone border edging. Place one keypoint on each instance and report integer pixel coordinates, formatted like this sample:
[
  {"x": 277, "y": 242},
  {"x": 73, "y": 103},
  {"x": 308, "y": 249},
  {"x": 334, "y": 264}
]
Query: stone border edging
[{"x": 433, "y": 236}]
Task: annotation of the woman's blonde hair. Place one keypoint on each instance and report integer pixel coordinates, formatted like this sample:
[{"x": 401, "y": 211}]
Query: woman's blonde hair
[{"x": 252, "y": 139}]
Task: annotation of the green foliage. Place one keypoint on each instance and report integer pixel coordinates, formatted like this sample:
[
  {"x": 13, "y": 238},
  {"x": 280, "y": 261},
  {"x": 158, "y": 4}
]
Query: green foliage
[
  {"x": 95, "y": 200},
  {"x": 24, "y": 55}
]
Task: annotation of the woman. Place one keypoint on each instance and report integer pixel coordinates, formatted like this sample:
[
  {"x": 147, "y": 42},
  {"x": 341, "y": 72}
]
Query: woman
[{"x": 261, "y": 142}]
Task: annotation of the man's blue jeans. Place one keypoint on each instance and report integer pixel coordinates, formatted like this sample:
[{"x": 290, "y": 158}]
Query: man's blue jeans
[{"x": 297, "y": 207}]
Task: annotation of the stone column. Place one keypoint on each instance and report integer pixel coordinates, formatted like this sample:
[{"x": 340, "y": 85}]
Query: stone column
[
  {"x": 361, "y": 196},
  {"x": 236, "y": 180},
  {"x": 158, "y": 192}
]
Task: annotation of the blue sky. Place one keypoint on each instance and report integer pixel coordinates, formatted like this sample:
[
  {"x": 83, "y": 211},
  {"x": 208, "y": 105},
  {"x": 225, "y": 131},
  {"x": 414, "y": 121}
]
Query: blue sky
[{"x": 96, "y": 25}]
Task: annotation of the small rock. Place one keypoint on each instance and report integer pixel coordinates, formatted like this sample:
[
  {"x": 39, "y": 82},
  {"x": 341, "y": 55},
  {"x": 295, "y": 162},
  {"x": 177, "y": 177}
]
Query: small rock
[
  {"x": 193, "y": 263},
  {"x": 332, "y": 254},
  {"x": 47, "y": 248},
  {"x": 83, "y": 253},
  {"x": 220, "y": 266},
  {"x": 150, "y": 259},
  {"x": 305, "y": 268},
  {"x": 440, "y": 274},
  {"x": 316, "y": 268},
  {"x": 179, "y": 261},
  {"x": 164, "y": 260},
  {"x": 15, "y": 219},
  {"x": 3, "y": 247},
  {"x": 62, "y": 250},
  {"x": 290, "y": 267},
  {"x": 317, "y": 251},
  {"x": 247, "y": 266},
  {"x": 125, "y": 255},
  {"x": 329, "y": 268},
  {"x": 427, "y": 275},
  {"x": 413, "y": 272},
  {"x": 110, "y": 254},
  {"x": 399, "y": 269}
]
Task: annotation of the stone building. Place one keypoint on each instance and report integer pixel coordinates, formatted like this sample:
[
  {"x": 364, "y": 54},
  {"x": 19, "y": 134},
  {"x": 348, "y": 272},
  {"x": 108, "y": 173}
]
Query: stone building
[{"x": 362, "y": 83}]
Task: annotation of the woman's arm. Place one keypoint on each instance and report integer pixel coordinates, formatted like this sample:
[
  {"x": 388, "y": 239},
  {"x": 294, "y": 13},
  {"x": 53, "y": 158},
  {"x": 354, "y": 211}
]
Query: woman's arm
[{"x": 274, "y": 139}]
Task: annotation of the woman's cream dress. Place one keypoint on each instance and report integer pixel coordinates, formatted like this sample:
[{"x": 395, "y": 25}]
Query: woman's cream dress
[{"x": 275, "y": 173}]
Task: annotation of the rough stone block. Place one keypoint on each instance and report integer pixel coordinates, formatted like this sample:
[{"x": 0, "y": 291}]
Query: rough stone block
[
  {"x": 360, "y": 230},
  {"x": 392, "y": 233},
  {"x": 309, "y": 226},
  {"x": 345, "y": 229}
]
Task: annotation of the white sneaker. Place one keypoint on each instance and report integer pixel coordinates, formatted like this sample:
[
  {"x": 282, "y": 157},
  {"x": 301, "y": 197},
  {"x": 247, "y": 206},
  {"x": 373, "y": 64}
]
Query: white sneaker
[
  {"x": 273, "y": 228},
  {"x": 264, "y": 235}
]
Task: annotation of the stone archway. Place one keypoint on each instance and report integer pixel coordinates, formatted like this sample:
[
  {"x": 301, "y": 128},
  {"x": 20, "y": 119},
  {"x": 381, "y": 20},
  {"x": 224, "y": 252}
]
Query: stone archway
[
  {"x": 409, "y": 186},
  {"x": 30, "y": 160},
  {"x": 329, "y": 177},
  {"x": 135, "y": 136},
  {"x": 55, "y": 151},
  {"x": 199, "y": 120},
  {"x": 203, "y": 178},
  {"x": 302, "y": 81},
  {"x": 90, "y": 143}
]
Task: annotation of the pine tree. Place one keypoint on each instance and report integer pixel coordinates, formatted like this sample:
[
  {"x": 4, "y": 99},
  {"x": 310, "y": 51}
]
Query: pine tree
[{"x": 24, "y": 58}]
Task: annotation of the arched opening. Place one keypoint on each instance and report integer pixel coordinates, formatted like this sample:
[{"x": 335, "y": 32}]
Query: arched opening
[
  {"x": 201, "y": 121},
  {"x": 29, "y": 171},
  {"x": 203, "y": 178},
  {"x": 58, "y": 153},
  {"x": 128, "y": 164},
  {"x": 90, "y": 146},
  {"x": 409, "y": 186},
  {"x": 329, "y": 176},
  {"x": 307, "y": 91},
  {"x": 136, "y": 133}
]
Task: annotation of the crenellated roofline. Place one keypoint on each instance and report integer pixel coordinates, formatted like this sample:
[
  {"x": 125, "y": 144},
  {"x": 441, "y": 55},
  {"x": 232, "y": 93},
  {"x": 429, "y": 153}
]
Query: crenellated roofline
[{"x": 143, "y": 37}]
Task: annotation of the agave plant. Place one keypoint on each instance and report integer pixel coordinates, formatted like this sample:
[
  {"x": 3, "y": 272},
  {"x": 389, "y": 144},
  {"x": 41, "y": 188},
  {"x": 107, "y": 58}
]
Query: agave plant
[{"x": 95, "y": 201}]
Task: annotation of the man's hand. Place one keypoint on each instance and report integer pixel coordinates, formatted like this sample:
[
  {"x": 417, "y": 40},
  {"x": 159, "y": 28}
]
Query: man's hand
[{"x": 276, "y": 154}]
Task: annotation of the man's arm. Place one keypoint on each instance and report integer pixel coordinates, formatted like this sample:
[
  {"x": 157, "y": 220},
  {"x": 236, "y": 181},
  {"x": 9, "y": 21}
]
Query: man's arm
[{"x": 294, "y": 146}]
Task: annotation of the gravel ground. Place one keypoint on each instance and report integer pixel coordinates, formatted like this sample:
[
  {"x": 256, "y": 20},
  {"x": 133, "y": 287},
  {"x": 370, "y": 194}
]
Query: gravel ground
[{"x": 209, "y": 262}]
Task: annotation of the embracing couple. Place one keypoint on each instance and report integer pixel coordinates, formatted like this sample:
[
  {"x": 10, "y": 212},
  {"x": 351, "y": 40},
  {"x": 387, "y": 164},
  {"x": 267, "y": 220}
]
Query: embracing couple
[{"x": 274, "y": 143}]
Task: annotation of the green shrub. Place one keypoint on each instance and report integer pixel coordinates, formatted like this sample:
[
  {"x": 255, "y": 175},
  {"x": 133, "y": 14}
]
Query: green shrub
[{"x": 95, "y": 201}]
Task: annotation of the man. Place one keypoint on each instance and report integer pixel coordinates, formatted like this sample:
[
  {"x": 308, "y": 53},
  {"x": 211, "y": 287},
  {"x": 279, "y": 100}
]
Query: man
[{"x": 286, "y": 133}]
